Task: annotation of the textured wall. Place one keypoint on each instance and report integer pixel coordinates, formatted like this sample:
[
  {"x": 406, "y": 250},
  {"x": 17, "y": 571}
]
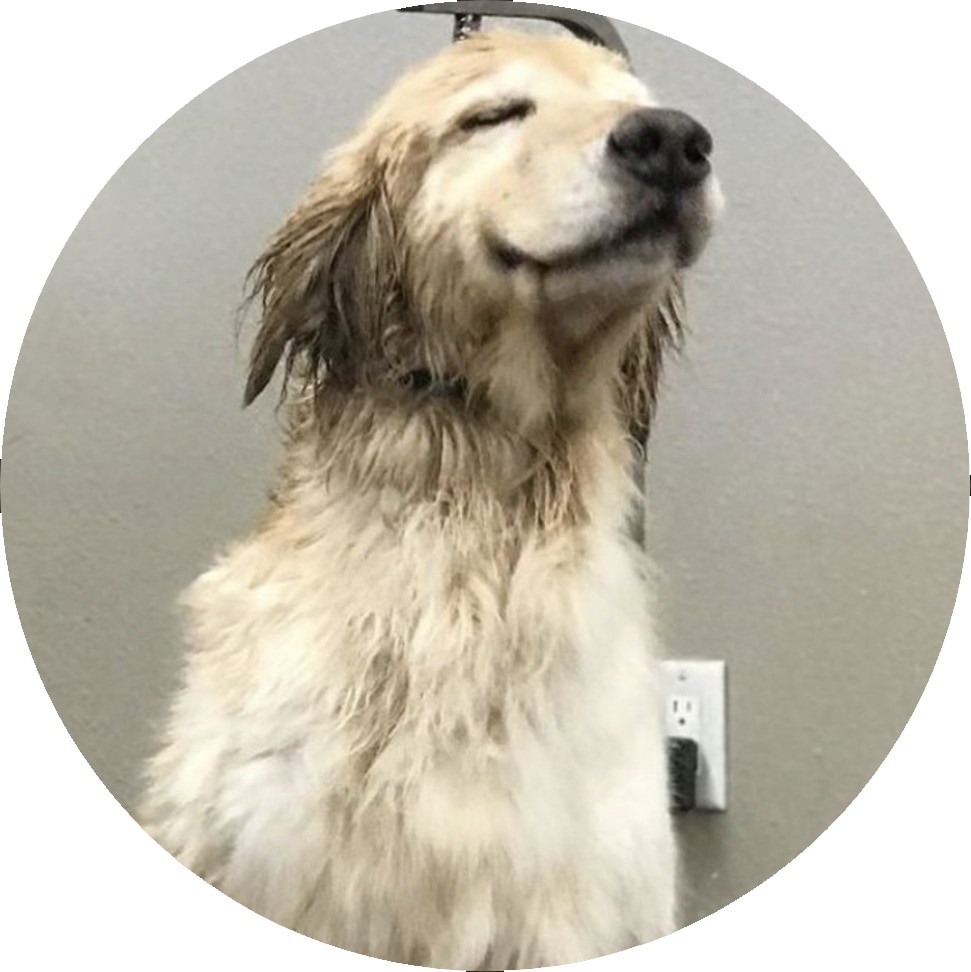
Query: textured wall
[{"x": 807, "y": 476}]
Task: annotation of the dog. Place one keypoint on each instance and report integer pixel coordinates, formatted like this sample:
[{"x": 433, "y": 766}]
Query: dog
[{"x": 419, "y": 715}]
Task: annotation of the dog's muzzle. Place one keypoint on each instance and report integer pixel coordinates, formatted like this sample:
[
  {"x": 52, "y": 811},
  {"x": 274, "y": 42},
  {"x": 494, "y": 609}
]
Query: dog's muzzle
[
  {"x": 663, "y": 156},
  {"x": 662, "y": 148}
]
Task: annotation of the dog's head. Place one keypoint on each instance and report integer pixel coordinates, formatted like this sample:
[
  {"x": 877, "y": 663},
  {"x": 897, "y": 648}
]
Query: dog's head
[{"x": 516, "y": 214}]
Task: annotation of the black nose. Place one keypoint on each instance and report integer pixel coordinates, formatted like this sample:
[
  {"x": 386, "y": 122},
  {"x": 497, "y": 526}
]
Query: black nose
[{"x": 663, "y": 148}]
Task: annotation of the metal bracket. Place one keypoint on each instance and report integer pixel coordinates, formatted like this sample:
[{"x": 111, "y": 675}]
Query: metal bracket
[{"x": 594, "y": 28}]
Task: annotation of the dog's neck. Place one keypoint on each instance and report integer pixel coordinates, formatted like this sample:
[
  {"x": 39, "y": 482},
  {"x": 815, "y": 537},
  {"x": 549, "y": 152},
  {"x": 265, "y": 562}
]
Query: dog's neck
[{"x": 438, "y": 445}]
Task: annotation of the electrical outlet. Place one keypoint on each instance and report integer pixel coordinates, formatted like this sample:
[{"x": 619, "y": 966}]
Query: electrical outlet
[
  {"x": 682, "y": 717},
  {"x": 694, "y": 708}
]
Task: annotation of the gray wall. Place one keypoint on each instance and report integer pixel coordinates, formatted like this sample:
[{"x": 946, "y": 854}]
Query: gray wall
[{"x": 807, "y": 476}]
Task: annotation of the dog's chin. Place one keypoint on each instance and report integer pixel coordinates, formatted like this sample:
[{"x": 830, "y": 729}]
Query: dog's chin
[{"x": 669, "y": 237}]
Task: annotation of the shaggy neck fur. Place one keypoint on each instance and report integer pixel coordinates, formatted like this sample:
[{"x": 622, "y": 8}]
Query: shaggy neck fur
[
  {"x": 534, "y": 440},
  {"x": 457, "y": 455}
]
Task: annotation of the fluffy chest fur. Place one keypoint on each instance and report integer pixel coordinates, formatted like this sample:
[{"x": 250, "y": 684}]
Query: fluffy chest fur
[
  {"x": 416, "y": 704},
  {"x": 427, "y": 646}
]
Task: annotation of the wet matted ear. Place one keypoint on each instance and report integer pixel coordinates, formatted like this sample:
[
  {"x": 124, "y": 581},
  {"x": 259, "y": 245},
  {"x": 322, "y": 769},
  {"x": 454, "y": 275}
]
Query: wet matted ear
[
  {"x": 326, "y": 279},
  {"x": 659, "y": 331}
]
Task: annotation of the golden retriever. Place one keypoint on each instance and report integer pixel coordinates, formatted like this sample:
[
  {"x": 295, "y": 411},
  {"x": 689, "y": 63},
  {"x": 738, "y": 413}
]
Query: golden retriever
[{"x": 419, "y": 716}]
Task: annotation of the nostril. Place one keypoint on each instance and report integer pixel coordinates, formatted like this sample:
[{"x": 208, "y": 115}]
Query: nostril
[{"x": 697, "y": 147}]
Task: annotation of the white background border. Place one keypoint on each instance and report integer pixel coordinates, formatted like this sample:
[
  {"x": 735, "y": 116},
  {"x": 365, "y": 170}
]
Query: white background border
[{"x": 84, "y": 83}]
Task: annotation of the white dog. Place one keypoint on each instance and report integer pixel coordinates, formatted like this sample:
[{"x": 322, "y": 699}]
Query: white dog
[{"x": 419, "y": 717}]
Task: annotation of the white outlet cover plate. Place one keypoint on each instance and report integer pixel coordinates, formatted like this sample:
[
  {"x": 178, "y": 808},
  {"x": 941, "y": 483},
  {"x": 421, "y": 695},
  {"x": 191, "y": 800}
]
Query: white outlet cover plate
[{"x": 705, "y": 681}]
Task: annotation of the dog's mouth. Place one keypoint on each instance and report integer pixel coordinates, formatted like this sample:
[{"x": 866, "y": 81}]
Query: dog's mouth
[{"x": 671, "y": 222}]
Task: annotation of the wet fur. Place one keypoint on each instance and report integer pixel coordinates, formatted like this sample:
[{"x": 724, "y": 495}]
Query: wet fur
[{"x": 418, "y": 716}]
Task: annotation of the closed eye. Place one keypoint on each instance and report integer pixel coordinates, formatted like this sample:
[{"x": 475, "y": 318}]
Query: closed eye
[{"x": 490, "y": 116}]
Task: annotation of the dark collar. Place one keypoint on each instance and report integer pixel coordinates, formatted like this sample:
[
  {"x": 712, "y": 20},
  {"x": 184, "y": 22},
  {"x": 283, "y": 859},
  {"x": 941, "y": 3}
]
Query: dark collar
[{"x": 423, "y": 381}]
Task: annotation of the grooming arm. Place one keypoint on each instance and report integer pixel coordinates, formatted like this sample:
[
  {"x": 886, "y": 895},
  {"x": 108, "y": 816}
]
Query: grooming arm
[{"x": 593, "y": 28}]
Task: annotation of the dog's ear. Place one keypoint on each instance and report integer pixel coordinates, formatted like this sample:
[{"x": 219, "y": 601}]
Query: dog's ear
[
  {"x": 327, "y": 279},
  {"x": 659, "y": 331}
]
